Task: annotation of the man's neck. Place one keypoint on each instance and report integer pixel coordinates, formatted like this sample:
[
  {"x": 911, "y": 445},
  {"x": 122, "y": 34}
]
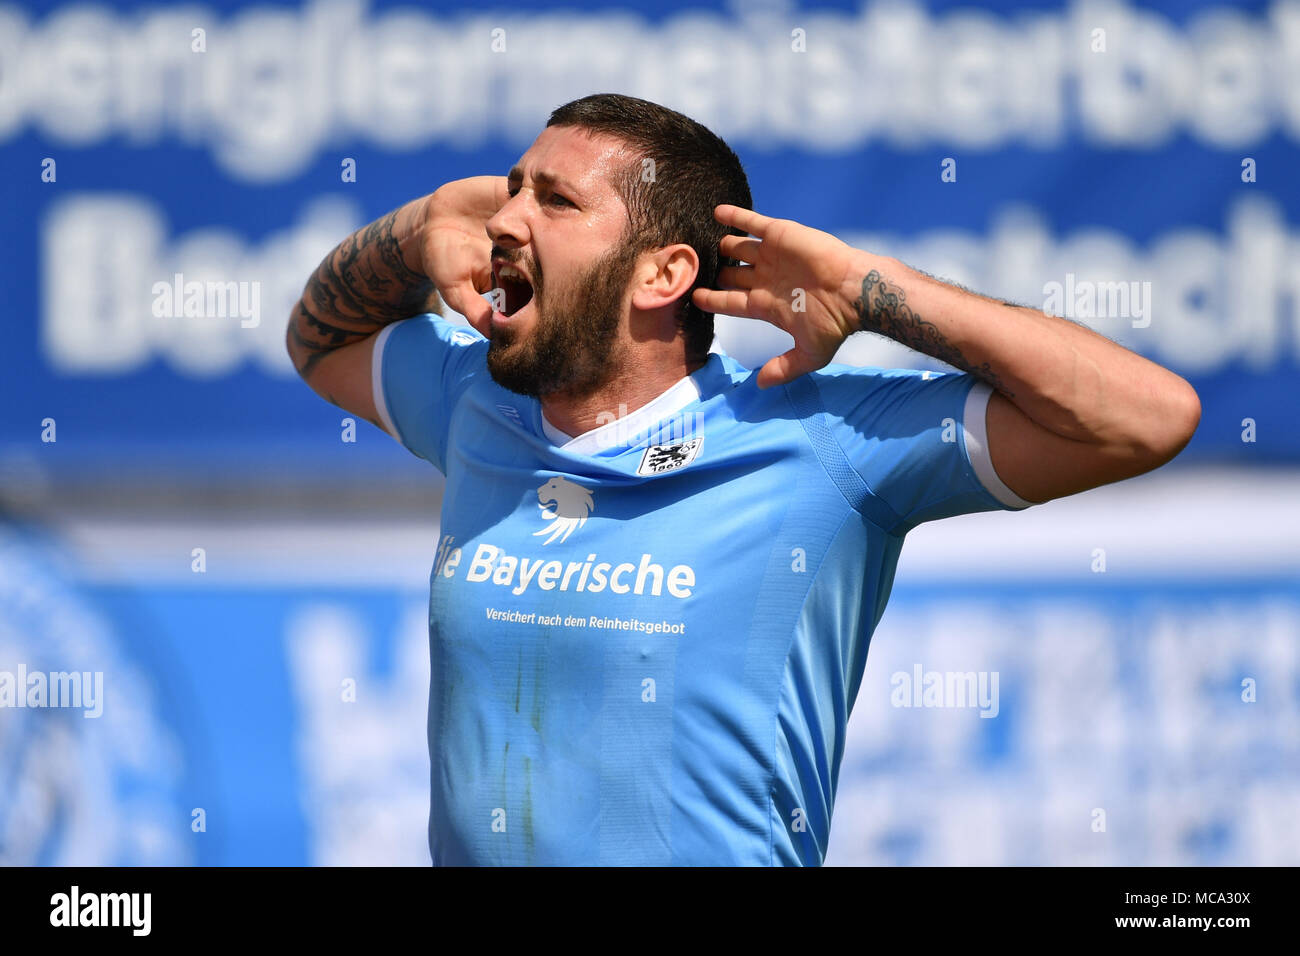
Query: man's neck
[{"x": 631, "y": 389}]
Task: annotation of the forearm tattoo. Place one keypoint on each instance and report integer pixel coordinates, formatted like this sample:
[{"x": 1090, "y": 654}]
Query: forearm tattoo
[
  {"x": 363, "y": 285},
  {"x": 882, "y": 310}
]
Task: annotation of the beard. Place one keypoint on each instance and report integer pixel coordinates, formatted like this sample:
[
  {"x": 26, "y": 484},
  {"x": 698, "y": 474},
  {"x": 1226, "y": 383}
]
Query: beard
[{"x": 573, "y": 347}]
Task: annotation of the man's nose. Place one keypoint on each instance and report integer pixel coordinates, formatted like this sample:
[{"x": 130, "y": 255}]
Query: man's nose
[{"x": 509, "y": 228}]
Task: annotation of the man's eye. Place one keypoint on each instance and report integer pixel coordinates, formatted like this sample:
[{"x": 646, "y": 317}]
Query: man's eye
[{"x": 560, "y": 200}]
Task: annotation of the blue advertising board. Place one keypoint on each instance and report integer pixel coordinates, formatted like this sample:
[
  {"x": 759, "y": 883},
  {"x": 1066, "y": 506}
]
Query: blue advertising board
[{"x": 1131, "y": 166}]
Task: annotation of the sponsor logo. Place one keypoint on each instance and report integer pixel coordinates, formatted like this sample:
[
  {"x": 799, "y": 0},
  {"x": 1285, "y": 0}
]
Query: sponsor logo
[
  {"x": 565, "y": 505},
  {"x": 519, "y": 574}
]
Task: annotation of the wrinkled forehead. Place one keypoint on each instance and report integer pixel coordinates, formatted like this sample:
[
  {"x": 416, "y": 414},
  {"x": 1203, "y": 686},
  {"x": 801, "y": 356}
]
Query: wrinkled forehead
[{"x": 591, "y": 164}]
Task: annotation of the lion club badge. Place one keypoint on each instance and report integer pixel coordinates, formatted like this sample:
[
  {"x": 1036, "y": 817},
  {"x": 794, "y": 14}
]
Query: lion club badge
[{"x": 565, "y": 504}]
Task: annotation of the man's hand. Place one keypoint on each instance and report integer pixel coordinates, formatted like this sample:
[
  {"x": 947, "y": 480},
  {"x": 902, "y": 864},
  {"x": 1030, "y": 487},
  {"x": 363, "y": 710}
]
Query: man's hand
[
  {"x": 798, "y": 279},
  {"x": 456, "y": 249},
  {"x": 392, "y": 269},
  {"x": 1070, "y": 410}
]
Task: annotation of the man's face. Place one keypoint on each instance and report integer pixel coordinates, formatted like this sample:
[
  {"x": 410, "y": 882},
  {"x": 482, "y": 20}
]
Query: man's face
[{"x": 561, "y": 257}]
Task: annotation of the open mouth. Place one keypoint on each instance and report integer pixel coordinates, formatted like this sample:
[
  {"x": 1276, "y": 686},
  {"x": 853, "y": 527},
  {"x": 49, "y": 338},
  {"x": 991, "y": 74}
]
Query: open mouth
[{"x": 518, "y": 291}]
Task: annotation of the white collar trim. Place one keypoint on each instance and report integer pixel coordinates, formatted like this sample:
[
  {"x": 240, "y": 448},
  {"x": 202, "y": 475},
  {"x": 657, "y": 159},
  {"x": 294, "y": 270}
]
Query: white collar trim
[{"x": 629, "y": 429}]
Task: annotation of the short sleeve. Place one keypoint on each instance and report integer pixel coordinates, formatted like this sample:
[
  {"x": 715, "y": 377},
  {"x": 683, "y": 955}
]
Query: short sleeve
[
  {"x": 421, "y": 368},
  {"x": 917, "y": 440}
]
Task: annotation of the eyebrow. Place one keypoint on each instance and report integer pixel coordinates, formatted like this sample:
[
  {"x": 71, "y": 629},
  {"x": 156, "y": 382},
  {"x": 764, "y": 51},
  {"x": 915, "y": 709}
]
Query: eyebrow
[{"x": 545, "y": 178}]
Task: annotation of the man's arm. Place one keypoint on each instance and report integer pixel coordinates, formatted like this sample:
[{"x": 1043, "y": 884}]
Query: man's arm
[
  {"x": 402, "y": 264},
  {"x": 374, "y": 277},
  {"x": 1071, "y": 410}
]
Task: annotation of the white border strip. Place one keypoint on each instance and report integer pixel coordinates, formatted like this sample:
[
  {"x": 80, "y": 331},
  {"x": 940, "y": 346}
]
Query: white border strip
[
  {"x": 377, "y": 380},
  {"x": 977, "y": 446}
]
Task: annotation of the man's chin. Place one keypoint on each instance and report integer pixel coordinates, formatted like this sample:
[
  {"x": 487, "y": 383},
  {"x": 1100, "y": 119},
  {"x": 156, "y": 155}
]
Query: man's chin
[
  {"x": 535, "y": 382},
  {"x": 503, "y": 364}
]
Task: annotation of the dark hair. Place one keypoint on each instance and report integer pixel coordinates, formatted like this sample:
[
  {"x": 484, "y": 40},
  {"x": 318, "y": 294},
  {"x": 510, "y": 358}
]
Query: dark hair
[{"x": 681, "y": 171}]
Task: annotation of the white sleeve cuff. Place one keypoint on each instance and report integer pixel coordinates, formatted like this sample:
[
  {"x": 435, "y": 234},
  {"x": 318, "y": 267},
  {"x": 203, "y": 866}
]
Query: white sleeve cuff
[
  {"x": 977, "y": 446},
  {"x": 377, "y": 380}
]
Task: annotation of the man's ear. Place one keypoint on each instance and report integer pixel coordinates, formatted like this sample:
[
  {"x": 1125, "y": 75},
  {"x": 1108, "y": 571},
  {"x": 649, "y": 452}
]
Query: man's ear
[{"x": 663, "y": 276}]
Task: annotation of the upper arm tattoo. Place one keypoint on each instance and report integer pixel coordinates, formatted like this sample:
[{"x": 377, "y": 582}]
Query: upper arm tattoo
[{"x": 363, "y": 285}]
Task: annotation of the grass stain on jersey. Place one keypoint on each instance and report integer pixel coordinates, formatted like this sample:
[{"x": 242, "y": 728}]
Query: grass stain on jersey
[
  {"x": 528, "y": 809},
  {"x": 505, "y": 770},
  {"x": 519, "y": 673},
  {"x": 535, "y": 718}
]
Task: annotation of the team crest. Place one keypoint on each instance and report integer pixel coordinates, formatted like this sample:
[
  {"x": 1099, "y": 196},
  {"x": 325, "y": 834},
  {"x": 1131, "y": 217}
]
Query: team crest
[{"x": 660, "y": 458}]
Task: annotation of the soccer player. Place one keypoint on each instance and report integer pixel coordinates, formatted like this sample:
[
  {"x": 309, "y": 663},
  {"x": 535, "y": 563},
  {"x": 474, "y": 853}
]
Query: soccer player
[{"x": 659, "y": 571}]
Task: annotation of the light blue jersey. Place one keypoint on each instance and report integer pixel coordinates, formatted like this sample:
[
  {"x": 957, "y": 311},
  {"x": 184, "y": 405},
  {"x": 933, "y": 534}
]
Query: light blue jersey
[{"x": 646, "y": 640}]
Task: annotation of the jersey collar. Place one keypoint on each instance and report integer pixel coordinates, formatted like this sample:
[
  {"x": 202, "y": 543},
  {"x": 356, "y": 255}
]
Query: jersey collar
[{"x": 630, "y": 429}]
